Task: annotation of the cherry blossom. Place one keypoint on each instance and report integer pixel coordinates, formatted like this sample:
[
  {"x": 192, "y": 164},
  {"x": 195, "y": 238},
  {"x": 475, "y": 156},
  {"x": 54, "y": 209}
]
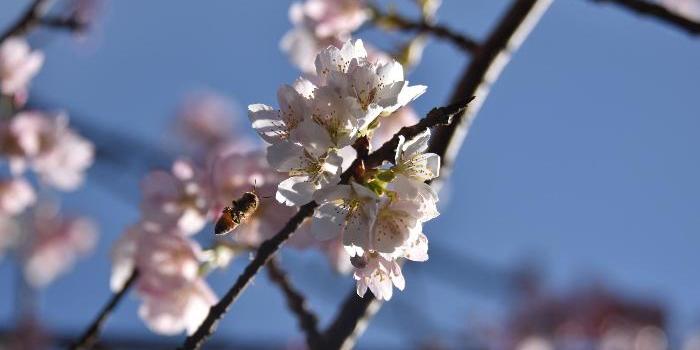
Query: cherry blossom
[
  {"x": 56, "y": 244},
  {"x": 206, "y": 121},
  {"x": 48, "y": 146},
  {"x": 181, "y": 196},
  {"x": 377, "y": 274},
  {"x": 391, "y": 124},
  {"x": 175, "y": 297},
  {"x": 276, "y": 125},
  {"x": 18, "y": 65},
  {"x": 308, "y": 171},
  {"x": 15, "y": 196},
  {"x": 373, "y": 87},
  {"x": 178, "y": 310},
  {"x": 349, "y": 210}
]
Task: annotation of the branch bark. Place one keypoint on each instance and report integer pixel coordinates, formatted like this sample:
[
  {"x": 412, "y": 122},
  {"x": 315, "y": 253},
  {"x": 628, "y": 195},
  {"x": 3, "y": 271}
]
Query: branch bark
[
  {"x": 658, "y": 12},
  {"x": 396, "y": 21},
  {"x": 89, "y": 338},
  {"x": 308, "y": 321},
  {"x": 35, "y": 16},
  {"x": 437, "y": 116},
  {"x": 446, "y": 141},
  {"x": 29, "y": 19}
]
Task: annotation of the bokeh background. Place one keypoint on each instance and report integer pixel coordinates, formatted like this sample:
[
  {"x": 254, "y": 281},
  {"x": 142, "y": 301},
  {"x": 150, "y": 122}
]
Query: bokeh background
[{"x": 582, "y": 165}]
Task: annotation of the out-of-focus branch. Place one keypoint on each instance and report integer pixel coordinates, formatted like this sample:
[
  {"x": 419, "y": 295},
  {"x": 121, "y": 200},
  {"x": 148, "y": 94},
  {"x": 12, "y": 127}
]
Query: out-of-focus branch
[
  {"x": 484, "y": 69},
  {"x": 35, "y": 16},
  {"x": 396, "y": 21},
  {"x": 477, "y": 79},
  {"x": 437, "y": 116},
  {"x": 658, "y": 12},
  {"x": 89, "y": 338},
  {"x": 29, "y": 19},
  {"x": 296, "y": 301}
]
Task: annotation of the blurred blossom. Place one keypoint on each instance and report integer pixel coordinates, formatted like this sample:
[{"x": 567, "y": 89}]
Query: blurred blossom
[
  {"x": 391, "y": 124},
  {"x": 688, "y": 8},
  {"x": 178, "y": 310},
  {"x": 15, "y": 196},
  {"x": 206, "y": 120},
  {"x": 180, "y": 197},
  {"x": 48, "y": 146},
  {"x": 86, "y": 12},
  {"x": 175, "y": 298},
  {"x": 56, "y": 244},
  {"x": 18, "y": 65},
  {"x": 329, "y": 18},
  {"x": 319, "y": 24},
  {"x": 586, "y": 319}
]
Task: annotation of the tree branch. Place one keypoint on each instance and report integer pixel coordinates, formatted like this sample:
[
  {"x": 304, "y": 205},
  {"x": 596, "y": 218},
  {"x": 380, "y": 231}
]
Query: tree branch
[
  {"x": 308, "y": 322},
  {"x": 29, "y": 19},
  {"x": 34, "y": 16},
  {"x": 477, "y": 79},
  {"x": 437, "y": 116},
  {"x": 89, "y": 338},
  {"x": 396, "y": 21},
  {"x": 658, "y": 12}
]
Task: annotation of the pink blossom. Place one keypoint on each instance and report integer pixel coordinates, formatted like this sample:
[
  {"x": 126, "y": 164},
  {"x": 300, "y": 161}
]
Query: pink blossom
[
  {"x": 166, "y": 261},
  {"x": 206, "y": 120},
  {"x": 57, "y": 243},
  {"x": 175, "y": 296},
  {"x": 15, "y": 196},
  {"x": 18, "y": 65},
  {"x": 329, "y": 18},
  {"x": 391, "y": 124},
  {"x": 180, "y": 196},
  {"x": 45, "y": 143},
  {"x": 375, "y": 272},
  {"x": 178, "y": 309}
]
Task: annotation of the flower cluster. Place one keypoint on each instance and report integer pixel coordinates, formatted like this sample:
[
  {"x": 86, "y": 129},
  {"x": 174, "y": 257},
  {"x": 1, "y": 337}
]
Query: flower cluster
[
  {"x": 179, "y": 203},
  {"x": 34, "y": 140},
  {"x": 378, "y": 215},
  {"x": 40, "y": 145}
]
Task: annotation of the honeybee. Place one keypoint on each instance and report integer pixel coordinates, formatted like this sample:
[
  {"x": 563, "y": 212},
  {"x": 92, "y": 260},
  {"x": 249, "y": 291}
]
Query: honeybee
[{"x": 239, "y": 212}]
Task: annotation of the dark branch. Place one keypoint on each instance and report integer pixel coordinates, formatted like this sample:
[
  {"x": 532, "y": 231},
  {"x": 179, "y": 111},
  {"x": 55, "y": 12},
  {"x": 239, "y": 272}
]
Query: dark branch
[
  {"x": 437, "y": 116},
  {"x": 482, "y": 71},
  {"x": 658, "y": 12},
  {"x": 89, "y": 338},
  {"x": 29, "y": 19},
  {"x": 396, "y": 21},
  {"x": 308, "y": 322},
  {"x": 34, "y": 16}
]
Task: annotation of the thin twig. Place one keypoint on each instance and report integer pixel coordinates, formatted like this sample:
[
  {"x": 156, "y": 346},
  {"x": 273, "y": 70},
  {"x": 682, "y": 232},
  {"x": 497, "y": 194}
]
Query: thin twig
[
  {"x": 396, "y": 21},
  {"x": 482, "y": 71},
  {"x": 437, "y": 116},
  {"x": 89, "y": 338},
  {"x": 308, "y": 322},
  {"x": 34, "y": 16},
  {"x": 28, "y": 20},
  {"x": 658, "y": 12}
]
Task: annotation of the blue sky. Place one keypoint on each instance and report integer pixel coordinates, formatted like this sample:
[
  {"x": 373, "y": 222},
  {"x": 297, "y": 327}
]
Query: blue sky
[{"x": 583, "y": 157}]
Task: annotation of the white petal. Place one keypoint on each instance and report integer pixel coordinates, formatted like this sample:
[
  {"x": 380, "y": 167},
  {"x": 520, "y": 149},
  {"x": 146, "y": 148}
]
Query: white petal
[
  {"x": 266, "y": 122},
  {"x": 286, "y": 156},
  {"x": 295, "y": 191},
  {"x": 327, "y": 222}
]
